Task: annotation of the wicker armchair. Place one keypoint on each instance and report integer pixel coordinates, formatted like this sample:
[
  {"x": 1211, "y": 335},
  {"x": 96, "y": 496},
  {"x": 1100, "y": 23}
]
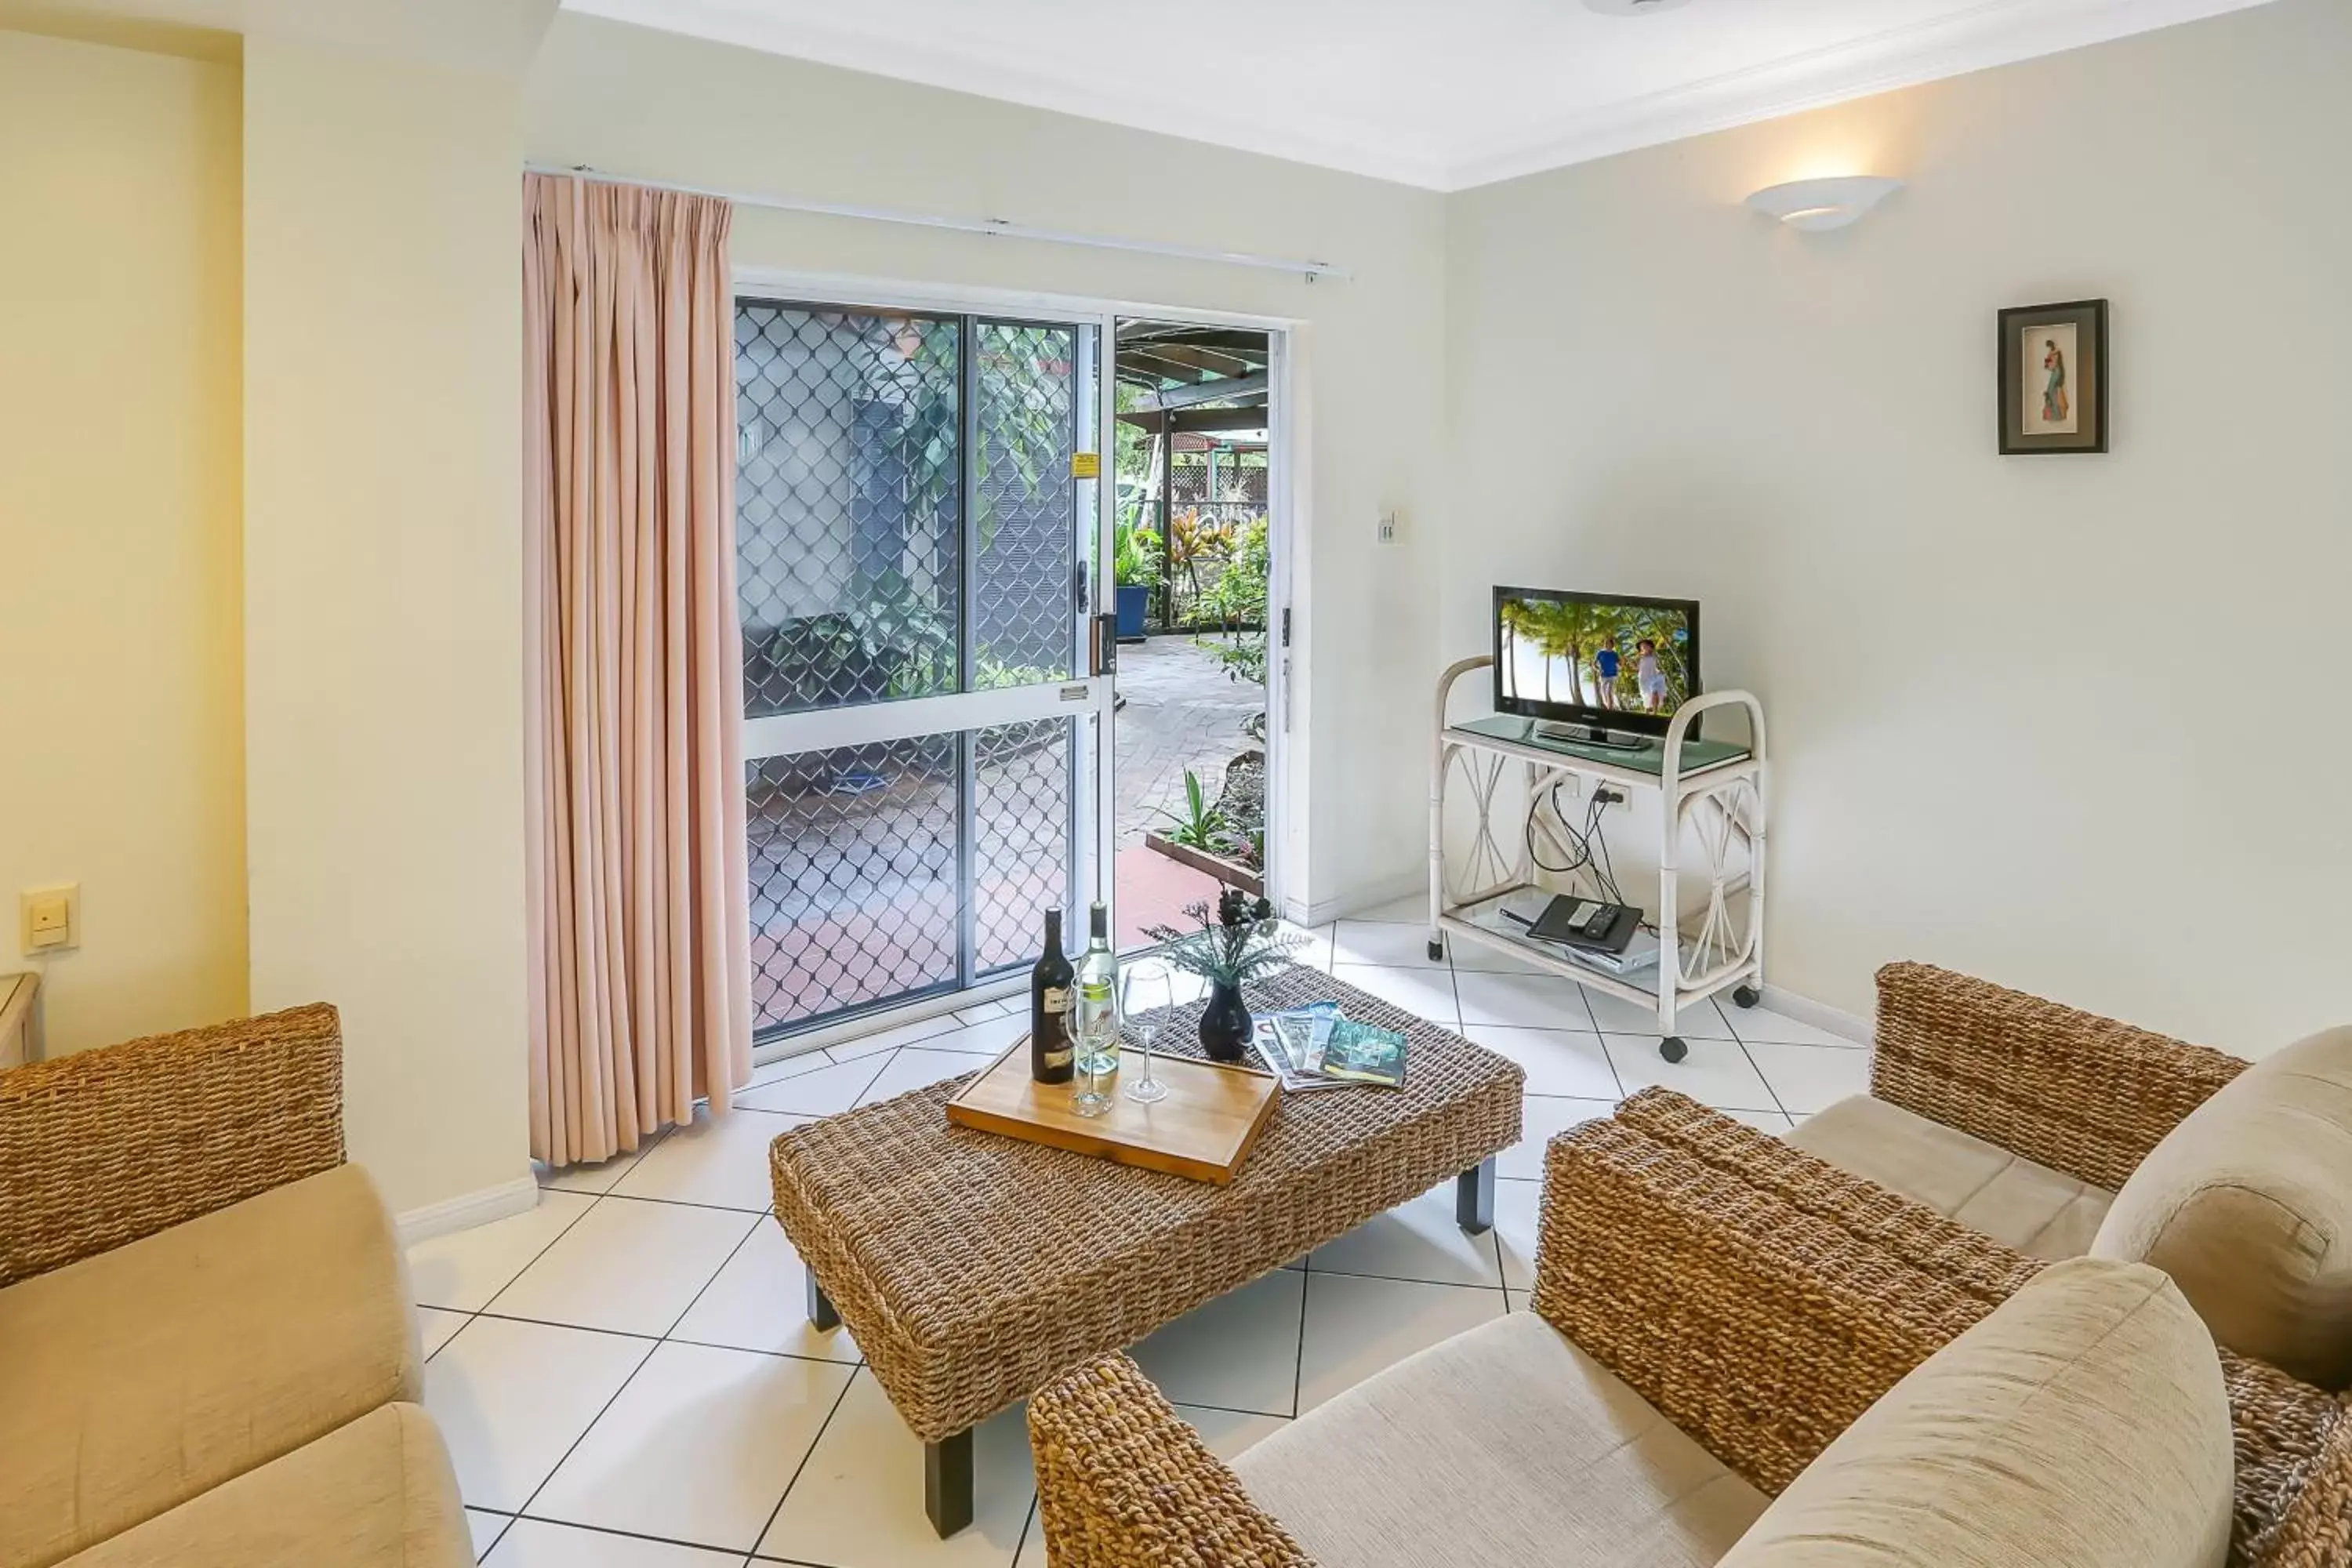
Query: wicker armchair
[
  {"x": 1757, "y": 1298},
  {"x": 213, "y": 1355},
  {"x": 2068, "y": 1090},
  {"x": 105, "y": 1147}
]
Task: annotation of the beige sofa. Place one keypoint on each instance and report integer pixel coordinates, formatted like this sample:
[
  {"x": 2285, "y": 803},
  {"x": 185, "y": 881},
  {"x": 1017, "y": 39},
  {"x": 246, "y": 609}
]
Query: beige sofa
[
  {"x": 2083, "y": 1424},
  {"x": 2059, "y": 1133},
  {"x": 1740, "y": 1353},
  {"x": 211, "y": 1359}
]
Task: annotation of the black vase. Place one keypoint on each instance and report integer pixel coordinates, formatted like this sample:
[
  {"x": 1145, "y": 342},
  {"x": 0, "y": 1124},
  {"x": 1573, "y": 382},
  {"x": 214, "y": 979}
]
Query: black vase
[{"x": 1225, "y": 1024}]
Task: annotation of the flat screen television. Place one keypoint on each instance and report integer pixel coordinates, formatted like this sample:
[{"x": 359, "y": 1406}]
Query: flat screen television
[{"x": 1606, "y": 669}]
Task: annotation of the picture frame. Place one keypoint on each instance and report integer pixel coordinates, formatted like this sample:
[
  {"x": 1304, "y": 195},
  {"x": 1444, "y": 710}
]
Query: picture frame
[{"x": 2053, "y": 378}]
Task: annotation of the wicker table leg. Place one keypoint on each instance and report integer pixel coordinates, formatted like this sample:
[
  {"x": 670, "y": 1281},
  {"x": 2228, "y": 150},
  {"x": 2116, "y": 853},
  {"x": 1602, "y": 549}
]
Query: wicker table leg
[
  {"x": 1473, "y": 1198},
  {"x": 947, "y": 1482},
  {"x": 819, "y": 1310}
]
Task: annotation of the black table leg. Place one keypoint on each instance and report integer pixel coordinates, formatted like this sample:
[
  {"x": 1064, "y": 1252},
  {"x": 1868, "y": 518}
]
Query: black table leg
[
  {"x": 1474, "y": 1198},
  {"x": 947, "y": 1482},
  {"x": 821, "y": 1312}
]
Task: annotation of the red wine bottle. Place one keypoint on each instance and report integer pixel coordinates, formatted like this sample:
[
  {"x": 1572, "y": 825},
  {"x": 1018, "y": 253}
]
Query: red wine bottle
[{"x": 1052, "y": 1055}]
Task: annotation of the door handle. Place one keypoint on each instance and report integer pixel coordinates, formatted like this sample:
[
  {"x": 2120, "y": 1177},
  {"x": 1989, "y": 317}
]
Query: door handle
[{"x": 1104, "y": 659}]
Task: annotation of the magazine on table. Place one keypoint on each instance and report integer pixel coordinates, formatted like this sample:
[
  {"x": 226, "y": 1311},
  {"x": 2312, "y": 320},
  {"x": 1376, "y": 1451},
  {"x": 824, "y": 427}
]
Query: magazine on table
[
  {"x": 1364, "y": 1053},
  {"x": 1319, "y": 1046}
]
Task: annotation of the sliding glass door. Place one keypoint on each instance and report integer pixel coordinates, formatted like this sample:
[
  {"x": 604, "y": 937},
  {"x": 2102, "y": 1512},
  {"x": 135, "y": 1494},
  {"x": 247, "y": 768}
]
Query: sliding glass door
[{"x": 915, "y": 527}]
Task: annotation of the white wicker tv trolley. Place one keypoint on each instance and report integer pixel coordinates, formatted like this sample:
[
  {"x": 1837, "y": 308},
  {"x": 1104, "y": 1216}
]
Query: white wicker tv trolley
[{"x": 1721, "y": 805}]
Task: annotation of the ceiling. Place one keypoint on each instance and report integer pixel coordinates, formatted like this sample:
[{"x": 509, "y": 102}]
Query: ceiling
[
  {"x": 499, "y": 34},
  {"x": 1439, "y": 93}
]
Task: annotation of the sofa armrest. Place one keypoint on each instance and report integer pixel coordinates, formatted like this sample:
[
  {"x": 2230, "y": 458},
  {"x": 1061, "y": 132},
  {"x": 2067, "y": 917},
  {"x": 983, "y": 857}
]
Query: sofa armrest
[
  {"x": 2294, "y": 1451},
  {"x": 2314, "y": 1531},
  {"x": 2068, "y": 1090},
  {"x": 1124, "y": 1482},
  {"x": 1762, "y": 1299},
  {"x": 106, "y": 1146},
  {"x": 1759, "y": 1298}
]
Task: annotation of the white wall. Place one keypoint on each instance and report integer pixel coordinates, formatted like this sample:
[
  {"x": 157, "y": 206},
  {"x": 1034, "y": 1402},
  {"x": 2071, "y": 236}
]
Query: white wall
[
  {"x": 654, "y": 105},
  {"x": 121, "y": 761},
  {"x": 382, "y": 595},
  {"x": 2070, "y": 723}
]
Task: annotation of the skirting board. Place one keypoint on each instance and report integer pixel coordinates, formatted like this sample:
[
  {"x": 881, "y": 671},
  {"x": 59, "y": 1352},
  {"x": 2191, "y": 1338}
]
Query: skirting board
[
  {"x": 1803, "y": 1009},
  {"x": 1323, "y": 911},
  {"x": 467, "y": 1210},
  {"x": 1819, "y": 1014}
]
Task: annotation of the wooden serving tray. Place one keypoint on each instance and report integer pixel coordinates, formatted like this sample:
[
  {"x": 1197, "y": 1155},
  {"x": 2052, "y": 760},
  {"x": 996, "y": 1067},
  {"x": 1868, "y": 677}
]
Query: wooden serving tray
[{"x": 1203, "y": 1129}]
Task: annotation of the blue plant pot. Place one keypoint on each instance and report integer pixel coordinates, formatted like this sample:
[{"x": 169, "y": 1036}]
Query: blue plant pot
[{"x": 1133, "y": 601}]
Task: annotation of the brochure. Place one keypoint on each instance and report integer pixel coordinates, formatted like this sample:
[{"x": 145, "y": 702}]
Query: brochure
[
  {"x": 1291, "y": 1044},
  {"x": 1318, "y": 1046},
  {"x": 1364, "y": 1053}
]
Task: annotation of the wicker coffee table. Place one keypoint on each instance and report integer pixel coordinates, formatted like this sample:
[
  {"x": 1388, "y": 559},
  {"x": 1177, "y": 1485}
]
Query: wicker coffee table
[{"x": 975, "y": 1268}]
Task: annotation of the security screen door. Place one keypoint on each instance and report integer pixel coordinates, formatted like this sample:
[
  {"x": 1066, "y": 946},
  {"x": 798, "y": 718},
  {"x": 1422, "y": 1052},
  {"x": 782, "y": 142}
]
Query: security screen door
[{"x": 921, "y": 725}]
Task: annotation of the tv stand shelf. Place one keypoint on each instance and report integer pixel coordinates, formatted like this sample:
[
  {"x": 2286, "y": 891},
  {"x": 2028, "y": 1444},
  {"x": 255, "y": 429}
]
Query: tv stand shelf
[{"x": 1711, "y": 791}]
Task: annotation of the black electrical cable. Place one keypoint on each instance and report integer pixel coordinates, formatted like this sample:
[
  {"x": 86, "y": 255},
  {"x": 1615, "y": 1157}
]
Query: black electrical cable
[{"x": 1592, "y": 849}]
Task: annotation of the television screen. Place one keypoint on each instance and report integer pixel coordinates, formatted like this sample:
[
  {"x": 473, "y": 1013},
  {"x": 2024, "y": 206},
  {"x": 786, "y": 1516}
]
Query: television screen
[{"x": 1611, "y": 661}]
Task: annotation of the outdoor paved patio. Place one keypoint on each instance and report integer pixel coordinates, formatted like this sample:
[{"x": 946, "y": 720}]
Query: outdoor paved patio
[{"x": 1181, "y": 713}]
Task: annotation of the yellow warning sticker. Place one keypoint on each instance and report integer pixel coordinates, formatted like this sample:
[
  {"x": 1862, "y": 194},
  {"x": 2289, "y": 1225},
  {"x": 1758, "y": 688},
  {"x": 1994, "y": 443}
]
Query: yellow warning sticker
[{"x": 1085, "y": 465}]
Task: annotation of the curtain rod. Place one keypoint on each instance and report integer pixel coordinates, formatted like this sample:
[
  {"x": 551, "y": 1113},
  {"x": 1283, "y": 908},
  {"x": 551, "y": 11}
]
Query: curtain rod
[{"x": 992, "y": 227}]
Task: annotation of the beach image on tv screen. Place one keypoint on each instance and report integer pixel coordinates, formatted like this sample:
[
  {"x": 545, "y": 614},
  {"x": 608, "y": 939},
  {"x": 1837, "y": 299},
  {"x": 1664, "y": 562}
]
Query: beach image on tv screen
[{"x": 1626, "y": 658}]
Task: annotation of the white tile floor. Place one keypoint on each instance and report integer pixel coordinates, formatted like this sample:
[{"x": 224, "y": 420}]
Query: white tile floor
[{"x": 626, "y": 1380}]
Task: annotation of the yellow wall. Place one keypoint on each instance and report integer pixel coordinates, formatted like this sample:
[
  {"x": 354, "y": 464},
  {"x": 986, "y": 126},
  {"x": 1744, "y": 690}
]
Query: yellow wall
[
  {"x": 122, "y": 764},
  {"x": 383, "y": 590}
]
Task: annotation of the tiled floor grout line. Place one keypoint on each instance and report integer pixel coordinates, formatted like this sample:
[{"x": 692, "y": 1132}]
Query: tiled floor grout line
[
  {"x": 1392, "y": 1279},
  {"x": 934, "y": 1045},
  {"x": 593, "y": 1201},
  {"x": 1749, "y": 1057},
  {"x": 1298, "y": 1360},
  {"x": 624, "y": 1534},
  {"x": 675, "y": 1338},
  {"x": 690, "y": 1202},
  {"x": 684, "y": 1313},
  {"x": 1022, "y": 1544},
  {"x": 574, "y": 1447},
  {"x": 496, "y": 1535},
  {"x": 650, "y": 1144},
  {"x": 810, "y": 1453}
]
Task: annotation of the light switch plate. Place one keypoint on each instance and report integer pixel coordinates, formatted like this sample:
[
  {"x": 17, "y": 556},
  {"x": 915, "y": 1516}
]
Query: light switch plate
[
  {"x": 1391, "y": 529},
  {"x": 49, "y": 919}
]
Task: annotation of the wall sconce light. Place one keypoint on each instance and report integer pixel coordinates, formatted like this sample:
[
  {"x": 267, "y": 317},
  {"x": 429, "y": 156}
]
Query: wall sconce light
[{"x": 1817, "y": 204}]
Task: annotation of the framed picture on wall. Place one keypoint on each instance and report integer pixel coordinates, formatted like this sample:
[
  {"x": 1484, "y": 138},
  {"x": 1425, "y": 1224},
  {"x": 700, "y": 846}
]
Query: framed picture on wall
[{"x": 2053, "y": 378}]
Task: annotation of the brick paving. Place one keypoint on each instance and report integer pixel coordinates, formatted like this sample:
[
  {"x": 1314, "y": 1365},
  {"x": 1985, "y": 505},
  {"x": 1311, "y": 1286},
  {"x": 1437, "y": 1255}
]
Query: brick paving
[{"x": 1181, "y": 713}]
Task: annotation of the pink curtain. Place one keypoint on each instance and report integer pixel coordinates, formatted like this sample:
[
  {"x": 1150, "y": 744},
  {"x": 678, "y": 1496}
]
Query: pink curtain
[{"x": 639, "y": 924}]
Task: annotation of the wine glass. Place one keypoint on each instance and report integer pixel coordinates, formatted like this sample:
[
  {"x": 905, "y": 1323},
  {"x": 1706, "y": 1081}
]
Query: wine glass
[{"x": 1147, "y": 990}]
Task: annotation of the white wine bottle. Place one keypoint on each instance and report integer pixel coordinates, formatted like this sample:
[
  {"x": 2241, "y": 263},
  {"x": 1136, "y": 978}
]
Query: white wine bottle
[{"x": 1095, "y": 1022}]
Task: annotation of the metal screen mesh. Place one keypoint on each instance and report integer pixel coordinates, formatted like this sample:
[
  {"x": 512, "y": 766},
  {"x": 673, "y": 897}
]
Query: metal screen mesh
[
  {"x": 854, "y": 877},
  {"x": 848, "y": 506},
  {"x": 1021, "y": 837},
  {"x": 1025, "y": 504},
  {"x": 907, "y": 526}
]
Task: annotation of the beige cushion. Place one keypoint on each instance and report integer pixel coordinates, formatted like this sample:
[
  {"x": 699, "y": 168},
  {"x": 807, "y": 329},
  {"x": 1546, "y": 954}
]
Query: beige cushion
[
  {"x": 1506, "y": 1445},
  {"x": 378, "y": 1493},
  {"x": 2248, "y": 1205},
  {"x": 2038, "y": 1211},
  {"x": 2081, "y": 1425},
  {"x": 137, "y": 1379}
]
